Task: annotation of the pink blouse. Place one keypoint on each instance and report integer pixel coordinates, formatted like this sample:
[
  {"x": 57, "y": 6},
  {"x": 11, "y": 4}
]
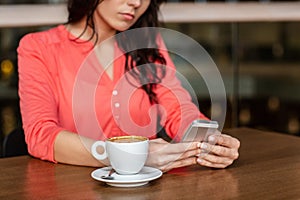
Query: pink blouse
[{"x": 60, "y": 89}]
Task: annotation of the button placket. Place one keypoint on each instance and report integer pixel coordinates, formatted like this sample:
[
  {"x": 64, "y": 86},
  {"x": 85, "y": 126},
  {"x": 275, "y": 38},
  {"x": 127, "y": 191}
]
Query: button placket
[{"x": 115, "y": 106}]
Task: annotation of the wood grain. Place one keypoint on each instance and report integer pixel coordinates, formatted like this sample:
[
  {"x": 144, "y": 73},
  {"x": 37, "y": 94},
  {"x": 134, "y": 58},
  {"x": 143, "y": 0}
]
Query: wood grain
[{"x": 268, "y": 168}]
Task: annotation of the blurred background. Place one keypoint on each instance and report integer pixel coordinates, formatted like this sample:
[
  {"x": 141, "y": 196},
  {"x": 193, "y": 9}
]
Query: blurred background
[{"x": 259, "y": 63}]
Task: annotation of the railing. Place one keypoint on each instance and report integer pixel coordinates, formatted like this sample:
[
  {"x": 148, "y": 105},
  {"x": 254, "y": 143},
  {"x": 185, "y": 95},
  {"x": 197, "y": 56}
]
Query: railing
[{"x": 39, "y": 15}]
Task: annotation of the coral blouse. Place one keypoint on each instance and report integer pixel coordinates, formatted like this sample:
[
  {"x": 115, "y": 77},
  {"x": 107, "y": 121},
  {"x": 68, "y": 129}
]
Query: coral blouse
[{"x": 61, "y": 88}]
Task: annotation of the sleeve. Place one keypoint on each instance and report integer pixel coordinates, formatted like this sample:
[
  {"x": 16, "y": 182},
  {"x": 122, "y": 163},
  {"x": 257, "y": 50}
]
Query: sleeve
[
  {"x": 37, "y": 98},
  {"x": 176, "y": 107}
]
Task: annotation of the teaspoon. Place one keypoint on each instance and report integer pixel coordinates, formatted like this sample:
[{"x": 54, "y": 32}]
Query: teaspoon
[{"x": 109, "y": 177}]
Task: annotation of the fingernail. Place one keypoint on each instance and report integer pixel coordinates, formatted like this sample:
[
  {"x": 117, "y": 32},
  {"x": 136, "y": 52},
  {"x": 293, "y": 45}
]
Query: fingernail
[
  {"x": 199, "y": 144},
  {"x": 211, "y": 139},
  {"x": 199, "y": 160},
  {"x": 203, "y": 146}
]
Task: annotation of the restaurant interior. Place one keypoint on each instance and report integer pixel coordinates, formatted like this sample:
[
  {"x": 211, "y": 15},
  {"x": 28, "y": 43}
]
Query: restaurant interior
[{"x": 258, "y": 60}]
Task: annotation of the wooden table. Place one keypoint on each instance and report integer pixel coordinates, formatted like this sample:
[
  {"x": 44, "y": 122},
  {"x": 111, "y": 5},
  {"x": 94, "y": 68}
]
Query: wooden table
[{"x": 268, "y": 168}]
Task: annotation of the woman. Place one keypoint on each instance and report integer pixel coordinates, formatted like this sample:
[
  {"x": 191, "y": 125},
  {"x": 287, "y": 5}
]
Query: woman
[{"x": 48, "y": 65}]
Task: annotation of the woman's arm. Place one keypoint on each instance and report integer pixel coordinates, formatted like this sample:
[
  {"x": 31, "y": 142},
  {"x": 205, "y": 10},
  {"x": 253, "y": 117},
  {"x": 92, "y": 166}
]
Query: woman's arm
[
  {"x": 179, "y": 112},
  {"x": 74, "y": 149},
  {"x": 37, "y": 100},
  {"x": 176, "y": 107},
  {"x": 45, "y": 138}
]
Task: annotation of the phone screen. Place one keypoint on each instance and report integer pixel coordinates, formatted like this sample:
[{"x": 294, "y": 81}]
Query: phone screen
[{"x": 200, "y": 130}]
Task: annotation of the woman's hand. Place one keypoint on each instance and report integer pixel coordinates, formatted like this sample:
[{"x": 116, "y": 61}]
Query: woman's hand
[
  {"x": 220, "y": 155},
  {"x": 166, "y": 156}
]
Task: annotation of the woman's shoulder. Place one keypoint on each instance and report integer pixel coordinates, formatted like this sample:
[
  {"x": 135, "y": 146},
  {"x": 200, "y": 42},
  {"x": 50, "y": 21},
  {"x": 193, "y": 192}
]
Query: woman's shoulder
[{"x": 53, "y": 35}]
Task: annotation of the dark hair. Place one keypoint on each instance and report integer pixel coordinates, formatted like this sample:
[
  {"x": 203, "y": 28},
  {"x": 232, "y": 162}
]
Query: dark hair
[{"x": 150, "y": 74}]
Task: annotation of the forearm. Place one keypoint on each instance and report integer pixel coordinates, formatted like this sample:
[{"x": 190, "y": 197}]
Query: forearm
[{"x": 73, "y": 149}]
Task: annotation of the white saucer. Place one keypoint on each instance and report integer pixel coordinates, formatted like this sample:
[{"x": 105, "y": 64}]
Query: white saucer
[{"x": 142, "y": 178}]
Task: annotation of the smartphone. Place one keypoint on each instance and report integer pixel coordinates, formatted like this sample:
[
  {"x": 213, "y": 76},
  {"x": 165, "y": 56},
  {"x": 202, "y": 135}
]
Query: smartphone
[{"x": 200, "y": 130}]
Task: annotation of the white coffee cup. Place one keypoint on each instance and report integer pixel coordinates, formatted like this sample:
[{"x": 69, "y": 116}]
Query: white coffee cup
[{"x": 127, "y": 154}]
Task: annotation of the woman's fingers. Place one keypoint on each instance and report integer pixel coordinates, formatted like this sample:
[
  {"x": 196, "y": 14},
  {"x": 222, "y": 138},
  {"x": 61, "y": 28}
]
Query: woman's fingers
[
  {"x": 179, "y": 163},
  {"x": 220, "y": 155},
  {"x": 211, "y": 160},
  {"x": 208, "y": 163},
  {"x": 166, "y": 156},
  {"x": 220, "y": 150},
  {"x": 222, "y": 145},
  {"x": 225, "y": 140},
  {"x": 176, "y": 148}
]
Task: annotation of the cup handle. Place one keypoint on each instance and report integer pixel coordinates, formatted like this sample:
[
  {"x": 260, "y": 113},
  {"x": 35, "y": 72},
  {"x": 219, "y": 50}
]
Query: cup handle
[{"x": 94, "y": 150}]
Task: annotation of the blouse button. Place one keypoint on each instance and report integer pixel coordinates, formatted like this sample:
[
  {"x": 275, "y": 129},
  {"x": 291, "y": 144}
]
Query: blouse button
[
  {"x": 114, "y": 92},
  {"x": 117, "y": 105}
]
